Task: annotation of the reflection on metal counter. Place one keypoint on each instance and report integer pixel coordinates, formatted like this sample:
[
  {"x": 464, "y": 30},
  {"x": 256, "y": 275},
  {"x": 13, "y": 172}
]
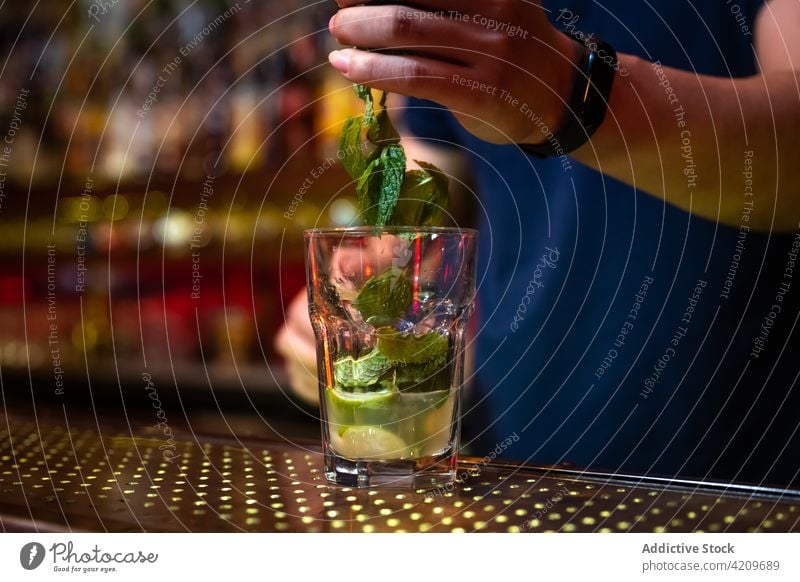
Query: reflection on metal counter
[{"x": 79, "y": 480}]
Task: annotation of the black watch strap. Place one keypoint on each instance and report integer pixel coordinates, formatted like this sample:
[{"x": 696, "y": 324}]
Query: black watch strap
[{"x": 588, "y": 104}]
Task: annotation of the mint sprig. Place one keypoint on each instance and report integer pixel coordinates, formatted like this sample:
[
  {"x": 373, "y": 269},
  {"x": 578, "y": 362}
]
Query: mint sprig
[{"x": 379, "y": 171}]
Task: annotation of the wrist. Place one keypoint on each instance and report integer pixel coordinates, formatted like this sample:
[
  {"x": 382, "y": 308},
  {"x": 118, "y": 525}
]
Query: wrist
[
  {"x": 564, "y": 56},
  {"x": 587, "y": 105}
]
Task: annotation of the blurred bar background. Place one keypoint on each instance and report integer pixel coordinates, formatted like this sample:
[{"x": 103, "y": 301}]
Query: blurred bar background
[{"x": 165, "y": 158}]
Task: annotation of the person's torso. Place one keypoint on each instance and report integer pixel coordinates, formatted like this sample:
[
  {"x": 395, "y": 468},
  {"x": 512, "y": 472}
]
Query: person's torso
[{"x": 615, "y": 328}]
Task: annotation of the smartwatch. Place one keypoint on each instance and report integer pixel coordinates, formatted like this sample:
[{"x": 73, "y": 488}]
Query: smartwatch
[{"x": 588, "y": 103}]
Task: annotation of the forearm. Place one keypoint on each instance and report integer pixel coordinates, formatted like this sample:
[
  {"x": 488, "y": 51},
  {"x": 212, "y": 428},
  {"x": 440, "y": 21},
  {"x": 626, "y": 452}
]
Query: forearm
[
  {"x": 688, "y": 147},
  {"x": 686, "y": 138}
]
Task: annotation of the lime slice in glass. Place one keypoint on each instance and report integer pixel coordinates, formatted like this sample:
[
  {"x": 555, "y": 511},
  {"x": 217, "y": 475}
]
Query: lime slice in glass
[
  {"x": 369, "y": 443},
  {"x": 359, "y": 409}
]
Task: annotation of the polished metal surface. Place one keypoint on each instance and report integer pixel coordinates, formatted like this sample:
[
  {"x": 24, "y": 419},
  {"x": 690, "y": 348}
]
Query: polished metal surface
[{"x": 57, "y": 479}]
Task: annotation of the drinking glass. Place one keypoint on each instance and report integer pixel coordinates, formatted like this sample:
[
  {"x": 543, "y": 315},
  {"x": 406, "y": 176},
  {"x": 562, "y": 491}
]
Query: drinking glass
[{"x": 390, "y": 309}]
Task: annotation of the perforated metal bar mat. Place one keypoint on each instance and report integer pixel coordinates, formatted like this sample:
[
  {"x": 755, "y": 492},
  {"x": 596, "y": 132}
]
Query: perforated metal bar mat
[{"x": 54, "y": 479}]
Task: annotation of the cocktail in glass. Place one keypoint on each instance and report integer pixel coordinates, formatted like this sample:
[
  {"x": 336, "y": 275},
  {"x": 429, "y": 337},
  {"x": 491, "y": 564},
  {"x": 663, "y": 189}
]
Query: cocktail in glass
[{"x": 389, "y": 309}]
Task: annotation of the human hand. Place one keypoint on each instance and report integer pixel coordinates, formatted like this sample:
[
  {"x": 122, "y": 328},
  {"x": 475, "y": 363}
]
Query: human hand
[
  {"x": 295, "y": 342},
  {"x": 502, "y": 69}
]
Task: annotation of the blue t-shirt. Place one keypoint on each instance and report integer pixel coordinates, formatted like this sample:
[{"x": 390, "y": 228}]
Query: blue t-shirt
[{"x": 617, "y": 332}]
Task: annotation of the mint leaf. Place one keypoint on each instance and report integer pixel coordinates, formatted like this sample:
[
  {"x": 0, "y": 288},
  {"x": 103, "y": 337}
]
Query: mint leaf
[
  {"x": 385, "y": 297},
  {"x": 430, "y": 348},
  {"x": 423, "y": 197},
  {"x": 432, "y": 376},
  {"x": 438, "y": 197},
  {"x": 350, "y": 147},
  {"x": 393, "y": 166},
  {"x": 381, "y": 131},
  {"x": 362, "y": 372},
  {"x": 368, "y": 191},
  {"x": 417, "y": 190}
]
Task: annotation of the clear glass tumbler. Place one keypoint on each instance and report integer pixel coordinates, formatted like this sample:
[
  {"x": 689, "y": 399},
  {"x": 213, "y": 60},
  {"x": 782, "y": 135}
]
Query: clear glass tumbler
[{"x": 389, "y": 309}]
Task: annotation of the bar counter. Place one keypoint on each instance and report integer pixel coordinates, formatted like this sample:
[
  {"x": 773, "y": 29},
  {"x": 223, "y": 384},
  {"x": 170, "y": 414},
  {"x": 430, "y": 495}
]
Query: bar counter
[{"x": 57, "y": 479}]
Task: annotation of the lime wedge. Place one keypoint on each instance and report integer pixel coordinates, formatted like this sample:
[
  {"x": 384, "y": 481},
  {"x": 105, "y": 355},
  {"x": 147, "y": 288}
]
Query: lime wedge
[{"x": 370, "y": 443}]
